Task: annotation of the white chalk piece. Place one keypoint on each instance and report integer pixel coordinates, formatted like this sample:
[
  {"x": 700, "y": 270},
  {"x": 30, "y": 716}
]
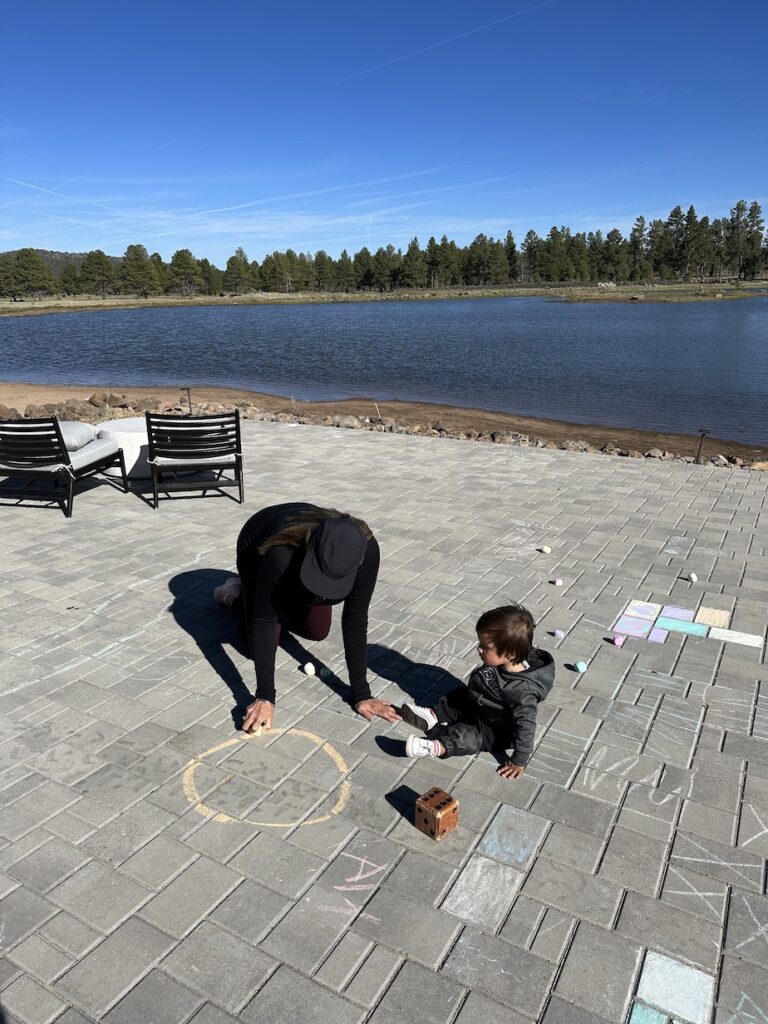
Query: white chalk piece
[
  {"x": 558, "y": 582},
  {"x": 558, "y": 634},
  {"x": 309, "y": 669},
  {"x": 581, "y": 666},
  {"x": 618, "y": 641},
  {"x": 257, "y": 731},
  {"x": 693, "y": 577},
  {"x": 546, "y": 549}
]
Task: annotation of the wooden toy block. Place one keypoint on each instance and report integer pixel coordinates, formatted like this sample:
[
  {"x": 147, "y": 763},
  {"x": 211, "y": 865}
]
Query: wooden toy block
[{"x": 437, "y": 813}]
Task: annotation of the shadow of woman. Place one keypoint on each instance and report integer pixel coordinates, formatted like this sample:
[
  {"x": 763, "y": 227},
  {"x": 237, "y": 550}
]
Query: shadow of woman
[{"x": 422, "y": 681}]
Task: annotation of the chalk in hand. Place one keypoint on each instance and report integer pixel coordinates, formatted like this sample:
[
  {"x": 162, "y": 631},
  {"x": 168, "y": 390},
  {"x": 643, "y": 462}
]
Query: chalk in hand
[
  {"x": 581, "y": 666},
  {"x": 693, "y": 577},
  {"x": 309, "y": 669},
  {"x": 257, "y": 731}
]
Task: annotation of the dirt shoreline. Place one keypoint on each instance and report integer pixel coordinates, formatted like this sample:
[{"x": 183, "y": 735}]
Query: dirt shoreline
[
  {"x": 454, "y": 419},
  {"x": 569, "y": 293}
]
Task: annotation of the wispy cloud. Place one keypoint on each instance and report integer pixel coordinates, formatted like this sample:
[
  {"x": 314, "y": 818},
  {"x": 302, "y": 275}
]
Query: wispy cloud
[{"x": 442, "y": 42}]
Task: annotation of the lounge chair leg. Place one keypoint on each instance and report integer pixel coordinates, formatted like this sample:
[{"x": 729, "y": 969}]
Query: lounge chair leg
[
  {"x": 240, "y": 483},
  {"x": 155, "y": 475},
  {"x": 122, "y": 471},
  {"x": 70, "y": 497}
]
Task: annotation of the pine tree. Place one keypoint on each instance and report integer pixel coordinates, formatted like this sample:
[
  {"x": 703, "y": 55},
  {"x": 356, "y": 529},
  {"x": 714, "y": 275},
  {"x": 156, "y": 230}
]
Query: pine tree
[
  {"x": 736, "y": 238},
  {"x": 660, "y": 250},
  {"x": 637, "y": 251},
  {"x": 8, "y": 276},
  {"x": 137, "y": 272},
  {"x": 237, "y": 276},
  {"x": 510, "y": 251},
  {"x": 753, "y": 245},
  {"x": 325, "y": 271},
  {"x": 413, "y": 272},
  {"x": 30, "y": 276},
  {"x": 212, "y": 278},
  {"x": 344, "y": 273},
  {"x": 185, "y": 276},
  {"x": 450, "y": 270},
  {"x": 363, "y": 267},
  {"x": 69, "y": 280},
  {"x": 162, "y": 271},
  {"x": 531, "y": 262},
  {"x": 97, "y": 273}
]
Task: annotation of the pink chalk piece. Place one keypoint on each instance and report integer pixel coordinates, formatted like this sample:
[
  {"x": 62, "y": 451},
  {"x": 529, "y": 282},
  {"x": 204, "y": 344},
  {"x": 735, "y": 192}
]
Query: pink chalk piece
[
  {"x": 671, "y": 611},
  {"x": 658, "y": 636},
  {"x": 618, "y": 640},
  {"x": 559, "y": 634},
  {"x": 628, "y": 625},
  {"x": 558, "y": 582}
]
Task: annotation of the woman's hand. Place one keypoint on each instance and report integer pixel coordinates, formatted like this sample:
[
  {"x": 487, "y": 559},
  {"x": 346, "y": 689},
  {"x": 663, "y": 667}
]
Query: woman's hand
[
  {"x": 258, "y": 716},
  {"x": 510, "y": 770},
  {"x": 374, "y": 708}
]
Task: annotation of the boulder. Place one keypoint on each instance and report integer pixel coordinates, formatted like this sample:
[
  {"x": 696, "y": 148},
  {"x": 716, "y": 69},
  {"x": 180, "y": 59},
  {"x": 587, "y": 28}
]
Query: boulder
[
  {"x": 719, "y": 460},
  {"x": 7, "y": 412},
  {"x": 98, "y": 399},
  {"x": 350, "y": 422},
  {"x": 285, "y": 417},
  {"x": 573, "y": 446},
  {"x": 634, "y": 454},
  {"x": 38, "y": 412},
  {"x": 509, "y": 437},
  {"x": 654, "y": 453},
  {"x": 115, "y": 400},
  {"x": 609, "y": 449}
]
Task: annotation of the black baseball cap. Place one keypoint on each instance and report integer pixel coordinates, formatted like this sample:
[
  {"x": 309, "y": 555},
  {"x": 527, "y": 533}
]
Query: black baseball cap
[{"x": 334, "y": 553}]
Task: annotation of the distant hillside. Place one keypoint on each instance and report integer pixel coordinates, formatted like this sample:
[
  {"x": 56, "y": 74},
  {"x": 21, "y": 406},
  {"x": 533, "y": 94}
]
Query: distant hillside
[{"x": 56, "y": 261}]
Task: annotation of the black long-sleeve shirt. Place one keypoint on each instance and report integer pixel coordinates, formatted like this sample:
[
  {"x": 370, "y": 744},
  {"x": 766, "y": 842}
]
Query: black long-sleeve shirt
[{"x": 272, "y": 590}]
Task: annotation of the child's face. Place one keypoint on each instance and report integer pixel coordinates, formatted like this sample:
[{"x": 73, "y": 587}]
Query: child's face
[{"x": 488, "y": 653}]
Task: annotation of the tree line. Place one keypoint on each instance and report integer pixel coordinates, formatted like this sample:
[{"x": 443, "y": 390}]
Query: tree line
[{"x": 684, "y": 247}]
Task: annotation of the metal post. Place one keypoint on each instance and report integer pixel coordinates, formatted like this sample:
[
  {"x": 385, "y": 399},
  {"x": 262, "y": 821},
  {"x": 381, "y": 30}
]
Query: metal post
[
  {"x": 704, "y": 433},
  {"x": 189, "y": 398}
]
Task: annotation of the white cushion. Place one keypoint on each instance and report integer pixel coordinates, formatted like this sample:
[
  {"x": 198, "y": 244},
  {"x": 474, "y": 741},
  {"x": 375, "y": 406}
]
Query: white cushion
[
  {"x": 76, "y": 434},
  {"x": 225, "y": 460},
  {"x": 98, "y": 449}
]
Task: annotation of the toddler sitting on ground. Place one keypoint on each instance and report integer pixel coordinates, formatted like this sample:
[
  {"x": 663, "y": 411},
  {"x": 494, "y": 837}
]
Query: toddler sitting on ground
[{"x": 497, "y": 708}]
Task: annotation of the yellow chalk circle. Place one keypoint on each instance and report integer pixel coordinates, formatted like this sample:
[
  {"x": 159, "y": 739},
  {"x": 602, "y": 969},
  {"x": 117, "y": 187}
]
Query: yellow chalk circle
[{"x": 193, "y": 796}]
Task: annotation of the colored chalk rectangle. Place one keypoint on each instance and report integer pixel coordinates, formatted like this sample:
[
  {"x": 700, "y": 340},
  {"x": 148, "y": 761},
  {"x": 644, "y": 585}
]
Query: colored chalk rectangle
[
  {"x": 671, "y": 611},
  {"x": 628, "y": 625},
  {"x": 678, "y": 626},
  {"x": 714, "y": 617},
  {"x": 732, "y": 636},
  {"x": 658, "y": 636},
  {"x": 646, "y": 1015},
  {"x": 642, "y": 609}
]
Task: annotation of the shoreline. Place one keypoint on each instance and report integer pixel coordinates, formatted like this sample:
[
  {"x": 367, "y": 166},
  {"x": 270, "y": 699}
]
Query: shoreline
[
  {"x": 450, "y": 419},
  {"x": 634, "y": 294}
]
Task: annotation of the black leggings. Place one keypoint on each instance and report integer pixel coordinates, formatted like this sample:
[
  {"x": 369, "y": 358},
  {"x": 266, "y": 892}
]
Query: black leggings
[
  {"x": 312, "y": 623},
  {"x": 464, "y": 732}
]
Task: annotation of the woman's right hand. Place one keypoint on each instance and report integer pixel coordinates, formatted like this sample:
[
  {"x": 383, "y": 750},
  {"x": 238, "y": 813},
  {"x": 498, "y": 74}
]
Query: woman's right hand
[{"x": 258, "y": 716}]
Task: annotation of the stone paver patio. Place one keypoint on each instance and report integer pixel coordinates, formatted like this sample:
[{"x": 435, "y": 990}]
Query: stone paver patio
[{"x": 156, "y": 867}]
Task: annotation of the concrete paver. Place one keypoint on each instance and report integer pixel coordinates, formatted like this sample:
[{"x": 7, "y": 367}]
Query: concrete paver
[{"x": 150, "y": 857}]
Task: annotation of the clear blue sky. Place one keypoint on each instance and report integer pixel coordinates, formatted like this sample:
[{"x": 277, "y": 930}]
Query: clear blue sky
[{"x": 304, "y": 125}]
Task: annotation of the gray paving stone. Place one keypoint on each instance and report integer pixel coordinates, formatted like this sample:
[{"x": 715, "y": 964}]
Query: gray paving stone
[
  {"x": 508, "y": 975},
  {"x": 424, "y": 937},
  {"x": 277, "y": 864},
  {"x": 658, "y": 926},
  {"x": 344, "y": 961},
  {"x": 553, "y": 935},
  {"x": 618, "y": 962},
  {"x": 99, "y": 896},
  {"x": 157, "y": 999},
  {"x": 360, "y": 868},
  {"x": 695, "y": 893},
  {"x": 40, "y": 959},
  {"x": 190, "y": 896},
  {"x": 436, "y": 1002},
  {"x": 572, "y": 847},
  {"x": 476, "y": 1009},
  {"x": 373, "y": 977},
  {"x": 219, "y": 966},
  {"x": 573, "y": 892},
  {"x": 110, "y": 970},
  {"x": 522, "y": 924},
  {"x": 747, "y": 928},
  {"x": 220, "y": 840},
  {"x": 157, "y": 862},
  {"x": 69, "y": 934},
  {"x": 709, "y": 822},
  {"x": 291, "y": 996},
  {"x": 311, "y": 928},
  {"x": 420, "y": 877},
  {"x": 578, "y": 811},
  {"x": 561, "y": 1012},
  {"x": 483, "y": 892},
  {"x": 22, "y": 912},
  {"x": 48, "y": 865},
  {"x": 707, "y": 857},
  {"x": 212, "y": 1015},
  {"x": 634, "y": 861},
  {"x": 30, "y": 1002},
  {"x": 743, "y": 988},
  {"x": 125, "y": 834},
  {"x": 250, "y": 911},
  {"x": 513, "y": 837}
]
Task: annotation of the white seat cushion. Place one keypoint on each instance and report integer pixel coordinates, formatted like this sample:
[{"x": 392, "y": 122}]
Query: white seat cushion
[
  {"x": 98, "y": 449},
  {"x": 227, "y": 460}
]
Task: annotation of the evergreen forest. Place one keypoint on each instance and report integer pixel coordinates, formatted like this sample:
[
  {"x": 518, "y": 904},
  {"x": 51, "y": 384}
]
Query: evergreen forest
[{"x": 682, "y": 248}]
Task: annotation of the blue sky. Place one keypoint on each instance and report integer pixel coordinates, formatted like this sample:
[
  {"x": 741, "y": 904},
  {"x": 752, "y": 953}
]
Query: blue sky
[{"x": 340, "y": 125}]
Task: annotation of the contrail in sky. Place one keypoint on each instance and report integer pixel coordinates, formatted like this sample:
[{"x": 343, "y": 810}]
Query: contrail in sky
[{"x": 444, "y": 42}]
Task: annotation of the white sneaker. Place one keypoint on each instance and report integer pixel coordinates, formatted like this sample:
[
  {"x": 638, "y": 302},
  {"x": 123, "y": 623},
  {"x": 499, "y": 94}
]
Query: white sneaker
[
  {"x": 420, "y": 746},
  {"x": 421, "y": 718}
]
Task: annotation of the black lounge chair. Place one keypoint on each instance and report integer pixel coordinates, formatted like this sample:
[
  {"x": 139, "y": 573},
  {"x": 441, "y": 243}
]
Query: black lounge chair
[
  {"x": 36, "y": 450},
  {"x": 182, "y": 447}
]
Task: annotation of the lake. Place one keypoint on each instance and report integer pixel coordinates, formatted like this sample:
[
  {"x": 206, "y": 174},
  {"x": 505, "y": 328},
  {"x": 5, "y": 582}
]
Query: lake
[{"x": 668, "y": 367}]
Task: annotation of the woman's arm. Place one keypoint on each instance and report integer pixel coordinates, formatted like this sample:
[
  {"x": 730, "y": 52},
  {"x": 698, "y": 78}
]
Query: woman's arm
[
  {"x": 263, "y": 619},
  {"x": 354, "y": 621}
]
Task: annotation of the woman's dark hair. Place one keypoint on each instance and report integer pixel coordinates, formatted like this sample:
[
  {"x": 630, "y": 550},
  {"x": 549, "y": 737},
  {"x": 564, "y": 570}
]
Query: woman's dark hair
[
  {"x": 509, "y": 629},
  {"x": 297, "y": 534}
]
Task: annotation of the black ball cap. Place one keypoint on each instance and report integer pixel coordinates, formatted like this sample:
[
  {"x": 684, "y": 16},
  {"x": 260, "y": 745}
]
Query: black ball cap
[{"x": 335, "y": 551}]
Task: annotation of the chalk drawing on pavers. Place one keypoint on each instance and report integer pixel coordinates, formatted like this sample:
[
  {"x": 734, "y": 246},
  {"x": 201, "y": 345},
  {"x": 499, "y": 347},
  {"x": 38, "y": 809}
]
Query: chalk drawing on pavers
[
  {"x": 676, "y": 989},
  {"x": 643, "y": 610},
  {"x": 645, "y": 620},
  {"x": 193, "y": 796},
  {"x": 713, "y": 617}
]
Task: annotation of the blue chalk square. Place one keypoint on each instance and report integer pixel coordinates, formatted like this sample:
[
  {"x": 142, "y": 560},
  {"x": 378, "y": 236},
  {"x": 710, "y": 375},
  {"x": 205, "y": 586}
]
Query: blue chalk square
[
  {"x": 678, "y": 626},
  {"x": 646, "y": 1015}
]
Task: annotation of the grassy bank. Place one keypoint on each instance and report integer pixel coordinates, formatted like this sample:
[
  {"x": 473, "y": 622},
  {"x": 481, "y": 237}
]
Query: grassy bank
[{"x": 570, "y": 293}]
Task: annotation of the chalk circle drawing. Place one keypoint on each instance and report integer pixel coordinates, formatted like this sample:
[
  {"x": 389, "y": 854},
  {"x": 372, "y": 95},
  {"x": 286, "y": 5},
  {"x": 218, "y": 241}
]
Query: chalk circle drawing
[{"x": 193, "y": 796}]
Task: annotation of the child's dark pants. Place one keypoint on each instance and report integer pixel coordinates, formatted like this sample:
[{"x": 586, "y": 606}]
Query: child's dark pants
[{"x": 465, "y": 732}]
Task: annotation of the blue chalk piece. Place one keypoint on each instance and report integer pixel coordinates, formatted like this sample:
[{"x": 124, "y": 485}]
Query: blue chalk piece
[
  {"x": 581, "y": 666},
  {"x": 679, "y": 626}
]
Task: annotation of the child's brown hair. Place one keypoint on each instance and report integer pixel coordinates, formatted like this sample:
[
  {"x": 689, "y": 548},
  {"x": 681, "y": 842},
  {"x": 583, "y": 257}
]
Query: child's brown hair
[{"x": 510, "y": 630}]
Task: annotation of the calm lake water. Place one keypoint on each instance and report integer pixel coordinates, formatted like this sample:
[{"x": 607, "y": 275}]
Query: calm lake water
[{"x": 675, "y": 367}]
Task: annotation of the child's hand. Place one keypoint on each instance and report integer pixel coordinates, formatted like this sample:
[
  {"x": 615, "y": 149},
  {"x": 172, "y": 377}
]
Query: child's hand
[{"x": 510, "y": 770}]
